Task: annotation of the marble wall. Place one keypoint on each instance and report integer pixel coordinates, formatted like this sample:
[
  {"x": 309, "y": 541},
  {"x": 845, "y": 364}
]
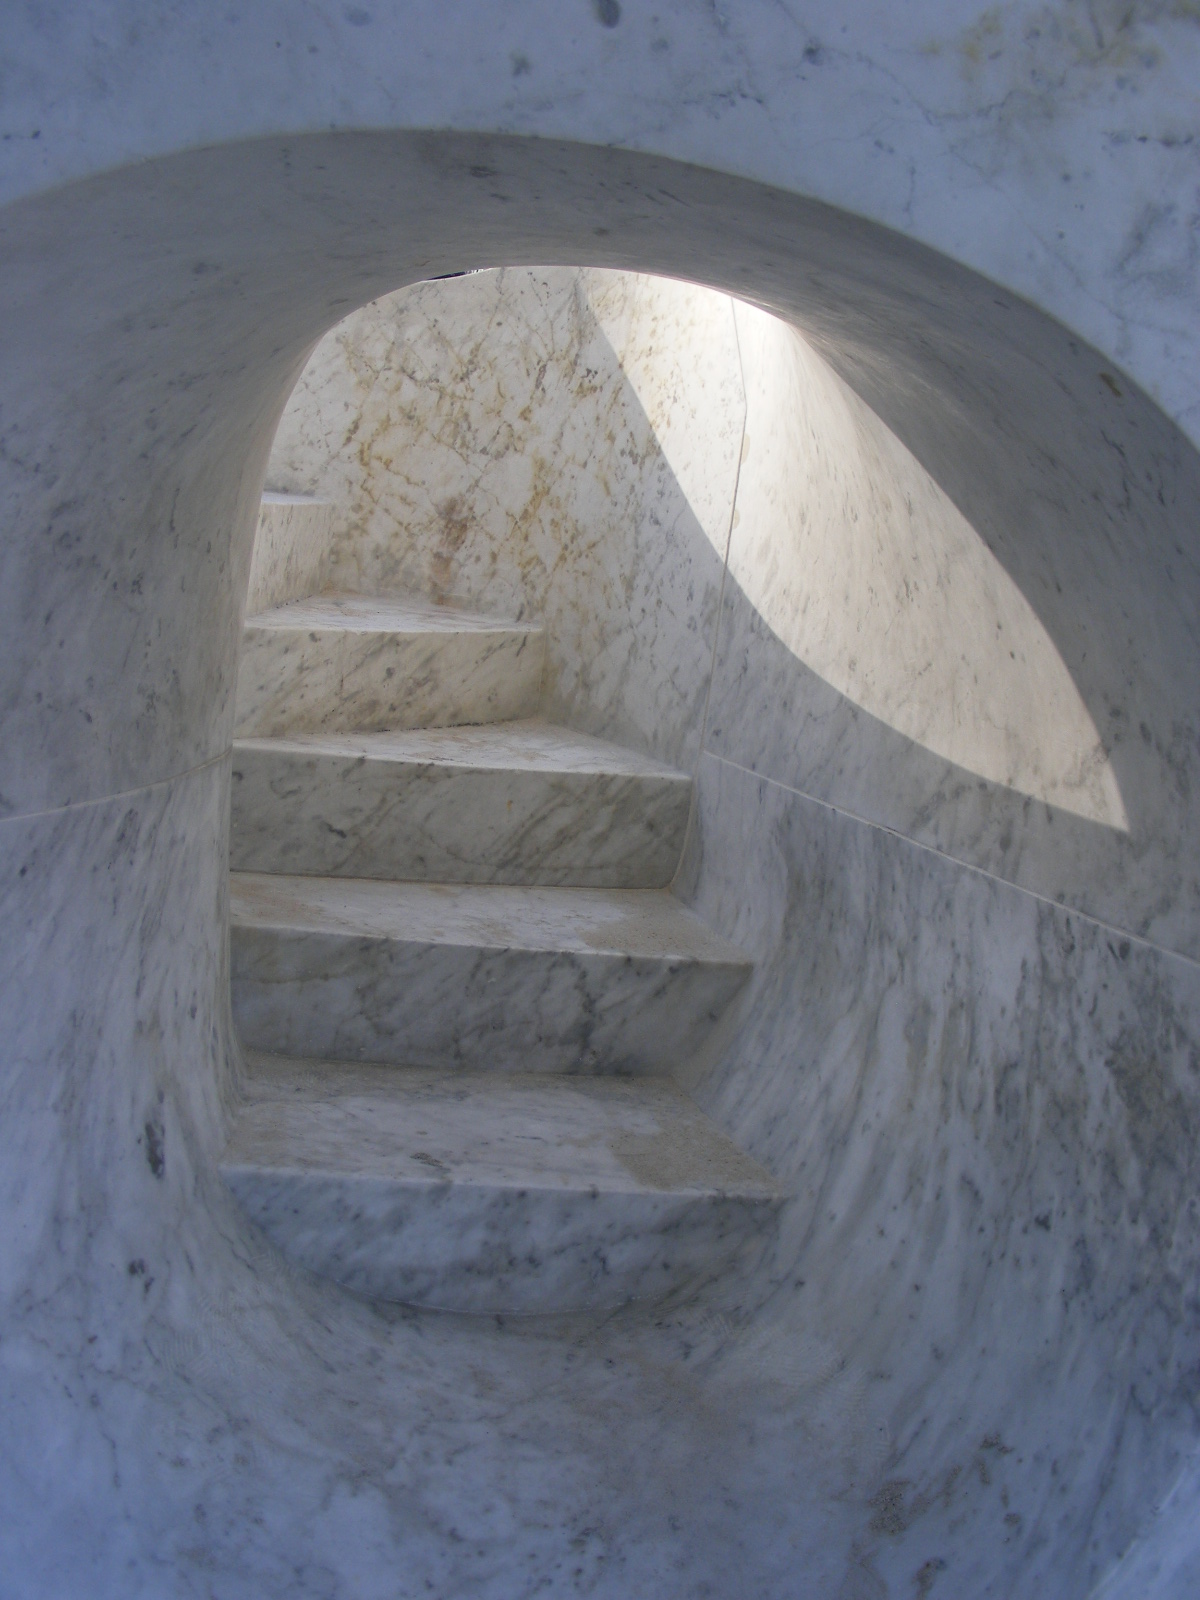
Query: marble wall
[
  {"x": 1047, "y": 144},
  {"x": 986, "y": 1104},
  {"x": 180, "y": 227},
  {"x": 918, "y": 773},
  {"x": 1002, "y": 671}
]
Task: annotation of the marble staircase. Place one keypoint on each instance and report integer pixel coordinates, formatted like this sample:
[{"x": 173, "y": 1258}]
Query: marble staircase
[{"x": 461, "y": 978}]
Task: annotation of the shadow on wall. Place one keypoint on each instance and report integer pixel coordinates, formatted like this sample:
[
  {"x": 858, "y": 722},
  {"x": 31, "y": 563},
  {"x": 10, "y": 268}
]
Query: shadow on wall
[
  {"x": 588, "y": 446},
  {"x": 876, "y": 655},
  {"x": 862, "y": 568}
]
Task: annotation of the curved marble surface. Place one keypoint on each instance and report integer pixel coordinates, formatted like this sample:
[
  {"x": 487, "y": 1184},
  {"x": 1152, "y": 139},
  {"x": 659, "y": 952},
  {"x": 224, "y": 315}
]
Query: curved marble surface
[
  {"x": 1049, "y": 146},
  {"x": 1007, "y": 690},
  {"x": 206, "y": 1420}
]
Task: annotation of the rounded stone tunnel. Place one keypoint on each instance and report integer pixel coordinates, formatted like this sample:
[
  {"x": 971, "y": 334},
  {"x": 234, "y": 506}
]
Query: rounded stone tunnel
[{"x": 967, "y": 872}]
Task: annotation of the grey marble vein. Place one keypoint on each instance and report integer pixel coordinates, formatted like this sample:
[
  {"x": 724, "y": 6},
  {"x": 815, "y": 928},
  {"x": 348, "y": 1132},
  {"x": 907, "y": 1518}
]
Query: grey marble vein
[
  {"x": 970, "y": 1370},
  {"x": 543, "y": 442},
  {"x": 988, "y": 1108}
]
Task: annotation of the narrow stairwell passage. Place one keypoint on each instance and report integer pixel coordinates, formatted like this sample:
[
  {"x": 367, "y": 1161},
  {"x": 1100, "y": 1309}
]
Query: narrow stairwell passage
[{"x": 462, "y": 980}]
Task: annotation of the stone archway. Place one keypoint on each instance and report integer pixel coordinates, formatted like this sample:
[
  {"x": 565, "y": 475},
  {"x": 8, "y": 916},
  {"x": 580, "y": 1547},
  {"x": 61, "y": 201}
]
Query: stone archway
[{"x": 157, "y": 317}]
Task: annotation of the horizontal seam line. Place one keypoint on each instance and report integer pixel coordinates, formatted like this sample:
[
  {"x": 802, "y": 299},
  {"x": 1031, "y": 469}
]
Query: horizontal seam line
[
  {"x": 121, "y": 794},
  {"x": 966, "y": 866}
]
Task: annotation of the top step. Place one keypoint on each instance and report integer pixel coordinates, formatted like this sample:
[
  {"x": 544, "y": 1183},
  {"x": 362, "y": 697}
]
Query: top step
[
  {"x": 290, "y": 548},
  {"x": 365, "y": 664}
]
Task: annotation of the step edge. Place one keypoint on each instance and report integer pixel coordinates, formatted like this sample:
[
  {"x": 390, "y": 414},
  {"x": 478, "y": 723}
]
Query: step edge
[
  {"x": 273, "y": 621},
  {"x": 282, "y": 497},
  {"x": 761, "y": 1193},
  {"x": 479, "y": 621},
  {"x": 634, "y": 765},
  {"x": 251, "y": 924}
]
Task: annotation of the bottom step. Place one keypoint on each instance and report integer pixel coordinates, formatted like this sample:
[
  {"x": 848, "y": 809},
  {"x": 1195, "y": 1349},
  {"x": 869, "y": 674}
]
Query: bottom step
[{"x": 472, "y": 1192}]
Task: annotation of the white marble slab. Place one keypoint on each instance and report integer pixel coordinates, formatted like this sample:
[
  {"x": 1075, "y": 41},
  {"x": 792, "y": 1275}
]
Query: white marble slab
[
  {"x": 517, "y": 803},
  {"x": 461, "y": 976},
  {"x": 491, "y": 1194},
  {"x": 365, "y": 663},
  {"x": 952, "y": 1409}
]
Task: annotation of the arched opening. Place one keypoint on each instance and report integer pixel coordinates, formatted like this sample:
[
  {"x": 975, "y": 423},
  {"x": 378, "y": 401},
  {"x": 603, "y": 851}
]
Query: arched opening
[
  {"x": 969, "y": 1044},
  {"x": 515, "y": 509}
]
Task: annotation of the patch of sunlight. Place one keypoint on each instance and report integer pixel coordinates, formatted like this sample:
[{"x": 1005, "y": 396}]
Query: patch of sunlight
[{"x": 871, "y": 577}]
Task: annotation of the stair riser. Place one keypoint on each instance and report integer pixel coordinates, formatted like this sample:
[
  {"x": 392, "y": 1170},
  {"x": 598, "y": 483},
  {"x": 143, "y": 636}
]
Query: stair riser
[
  {"x": 291, "y": 541},
  {"x": 358, "y": 999},
  {"x": 324, "y": 814},
  {"x": 455, "y": 1248},
  {"x": 305, "y": 680}
]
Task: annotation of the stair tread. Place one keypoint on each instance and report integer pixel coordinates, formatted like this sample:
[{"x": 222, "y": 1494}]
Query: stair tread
[
  {"x": 531, "y": 744},
  {"x": 356, "y": 613},
  {"x": 624, "y": 922},
  {"x": 415, "y": 1128}
]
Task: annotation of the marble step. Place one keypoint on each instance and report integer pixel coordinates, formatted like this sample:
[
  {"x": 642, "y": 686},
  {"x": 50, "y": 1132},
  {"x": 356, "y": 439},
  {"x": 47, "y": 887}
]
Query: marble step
[
  {"x": 492, "y": 1193},
  {"x": 491, "y": 977},
  {"x": 517, "y": 802},
  {"x": 361, "y": 663}
]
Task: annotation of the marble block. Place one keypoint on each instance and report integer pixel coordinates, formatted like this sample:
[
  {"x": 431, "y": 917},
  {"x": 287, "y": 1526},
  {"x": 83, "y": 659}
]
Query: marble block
[
  {"x": 509, "y": 1194},
  {"x": 520, "y": 802},
  {"x": 486, "y": 977},
  {"x": 988, "y": 1109},
  {"x": 366, "y": 664},
  {"x": 290, "y": 545}
]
